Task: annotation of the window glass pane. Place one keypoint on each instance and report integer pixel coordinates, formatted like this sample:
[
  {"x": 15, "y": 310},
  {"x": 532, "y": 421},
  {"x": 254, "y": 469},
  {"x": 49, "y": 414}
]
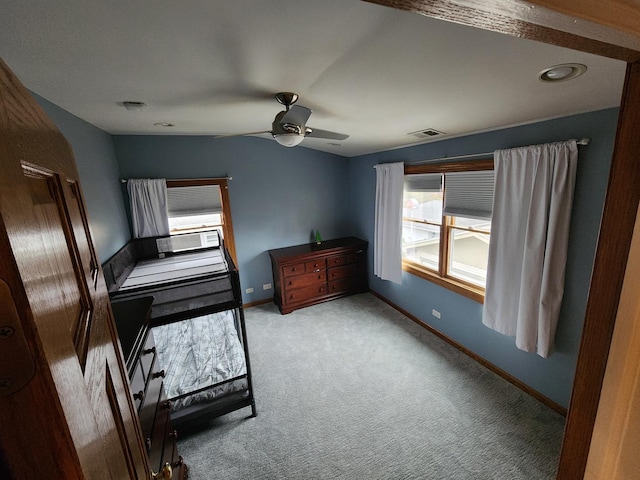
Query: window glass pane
[
  {"x": 194, "y": 222},
  {"x": 469, "y": 250},
  {"x": 473, "y": 223},
  {"x": 421, "y": 240},
  {"x": 421, "y": 243},
  {"x": 423, "y": 206}
]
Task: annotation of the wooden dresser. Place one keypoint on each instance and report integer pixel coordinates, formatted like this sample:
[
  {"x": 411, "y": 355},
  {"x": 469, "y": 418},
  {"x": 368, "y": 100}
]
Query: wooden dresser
[
  {"x": 307, "y": 274},
  {"x": 132, "y": 320}
]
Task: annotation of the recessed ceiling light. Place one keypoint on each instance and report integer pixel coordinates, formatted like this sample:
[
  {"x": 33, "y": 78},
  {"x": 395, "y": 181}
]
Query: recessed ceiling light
[
  {"x": 129, "y": 105},
  {"x": 164, "y": 124},
  {"x": 559, "y": 73}
]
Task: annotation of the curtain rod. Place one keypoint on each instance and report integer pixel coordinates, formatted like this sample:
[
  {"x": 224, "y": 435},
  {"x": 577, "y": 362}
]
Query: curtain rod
[
  {"x": 125, "y": 180},
  {"x": 583, "y": 141}
]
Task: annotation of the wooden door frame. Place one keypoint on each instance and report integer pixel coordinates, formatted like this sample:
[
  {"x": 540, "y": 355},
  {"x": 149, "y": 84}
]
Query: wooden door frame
[{"x": 515, "y": 17}]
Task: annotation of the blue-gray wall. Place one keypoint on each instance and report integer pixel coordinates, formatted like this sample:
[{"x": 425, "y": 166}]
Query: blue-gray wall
[
  {"x": 461, "y": 318},
  {"x": 98, "y": 170},
  {"x": 278, "y": 195}
]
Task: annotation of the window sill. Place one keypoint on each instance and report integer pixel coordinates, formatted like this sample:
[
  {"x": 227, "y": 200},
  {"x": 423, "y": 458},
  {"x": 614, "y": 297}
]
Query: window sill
[{"x": 469, "y": 291}]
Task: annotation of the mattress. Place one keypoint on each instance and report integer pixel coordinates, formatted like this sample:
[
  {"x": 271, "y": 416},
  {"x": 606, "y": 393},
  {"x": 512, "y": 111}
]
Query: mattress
[
  {"x": 198, "y": 353},
  {"x": 176, "y": 268}
]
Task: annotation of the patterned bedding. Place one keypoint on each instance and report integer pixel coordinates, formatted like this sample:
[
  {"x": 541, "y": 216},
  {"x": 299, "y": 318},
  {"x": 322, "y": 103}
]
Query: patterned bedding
[{"x": 198, "y": 353}]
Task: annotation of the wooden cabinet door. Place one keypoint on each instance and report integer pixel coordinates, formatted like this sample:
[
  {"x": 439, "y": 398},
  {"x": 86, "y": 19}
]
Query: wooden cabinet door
[{"x": 65, "y": 406}]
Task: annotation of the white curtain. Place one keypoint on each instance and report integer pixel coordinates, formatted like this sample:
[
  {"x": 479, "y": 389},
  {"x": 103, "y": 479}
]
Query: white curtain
[
  {"x": 148, "y": 199},
  {"x": 528, "y": 249},
  {"x": 387, "y": 248}
]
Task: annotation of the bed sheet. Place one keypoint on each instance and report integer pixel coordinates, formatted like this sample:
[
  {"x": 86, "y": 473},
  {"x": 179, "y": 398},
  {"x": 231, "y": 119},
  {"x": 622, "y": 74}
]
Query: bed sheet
[{"x": 197, "y": 353}]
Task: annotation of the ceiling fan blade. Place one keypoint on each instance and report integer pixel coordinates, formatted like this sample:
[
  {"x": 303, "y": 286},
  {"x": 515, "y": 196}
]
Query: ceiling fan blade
[
  {"x": 296, "y": 115},
  {"x": 242, "y": 134},
  {"x": 317, "y": 133}
]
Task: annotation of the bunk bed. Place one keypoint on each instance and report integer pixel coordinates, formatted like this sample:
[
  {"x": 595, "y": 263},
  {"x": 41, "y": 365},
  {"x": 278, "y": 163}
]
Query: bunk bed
[{"x": 196, "y": 319}]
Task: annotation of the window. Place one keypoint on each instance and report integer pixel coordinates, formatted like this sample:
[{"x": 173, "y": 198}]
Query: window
[
  {"x": 196, "y": 209},
  {"x": 447, "y": 224}
]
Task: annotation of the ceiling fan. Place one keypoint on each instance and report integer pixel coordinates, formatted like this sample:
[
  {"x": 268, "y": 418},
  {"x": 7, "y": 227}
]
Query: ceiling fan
[{"x": 289, "y": 127}]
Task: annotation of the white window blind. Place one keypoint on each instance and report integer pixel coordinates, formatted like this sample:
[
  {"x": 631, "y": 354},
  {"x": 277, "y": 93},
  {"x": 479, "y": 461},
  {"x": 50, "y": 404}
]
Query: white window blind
[
  {"x": 424, "y": 182},
  {"x": 196, "y": 200},
  {"x": 469, "y": 194}
]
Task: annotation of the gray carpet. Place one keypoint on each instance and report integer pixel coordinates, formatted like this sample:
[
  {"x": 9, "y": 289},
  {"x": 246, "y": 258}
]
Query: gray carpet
[{"x": 352, "y": 389}]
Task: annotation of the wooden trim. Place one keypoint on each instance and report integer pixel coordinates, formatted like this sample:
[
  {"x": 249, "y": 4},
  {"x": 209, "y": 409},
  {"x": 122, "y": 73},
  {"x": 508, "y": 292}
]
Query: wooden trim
[
  {"x": 618, "y": 14},
  {"x": 508, "y": 377},
  {"x": 192, "y": 182},
  {"x": 444, "y": 167},
  {"x": 229, "y": 239},
  {"x": 469, "y": 291},
  {"x": 616, "y": 231},
  {"x": 445, "y": 244},
  {"x": 513, "y": 18},
  {"x": 258, "y": 302}
]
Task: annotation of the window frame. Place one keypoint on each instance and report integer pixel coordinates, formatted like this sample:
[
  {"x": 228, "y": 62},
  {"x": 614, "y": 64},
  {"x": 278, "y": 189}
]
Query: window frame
[
  {"x": 227, "y": 223},
  {"x": 440, "y": 276}
]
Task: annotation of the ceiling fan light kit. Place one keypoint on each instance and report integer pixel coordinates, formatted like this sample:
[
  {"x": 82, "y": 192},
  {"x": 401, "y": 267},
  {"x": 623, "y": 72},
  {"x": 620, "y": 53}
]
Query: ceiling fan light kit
[
  {"x": 288, "y": 139},
  {"x": 289, "y": 127}
]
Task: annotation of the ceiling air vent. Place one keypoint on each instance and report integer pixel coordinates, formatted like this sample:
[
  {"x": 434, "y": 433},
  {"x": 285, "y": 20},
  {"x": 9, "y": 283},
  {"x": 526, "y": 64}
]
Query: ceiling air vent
[{"x": 426, "y": 133}]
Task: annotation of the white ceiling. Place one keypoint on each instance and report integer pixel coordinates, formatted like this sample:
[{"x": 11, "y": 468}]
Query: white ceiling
[{"x": 211, "y": 67}]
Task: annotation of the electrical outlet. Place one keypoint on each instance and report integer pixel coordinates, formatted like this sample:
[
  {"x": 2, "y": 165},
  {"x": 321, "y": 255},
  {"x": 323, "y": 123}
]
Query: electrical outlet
[
  {"x": 435, "y": 313},
  {"x": 249, "y": 290},
  {"x": 266, "y": 286}
]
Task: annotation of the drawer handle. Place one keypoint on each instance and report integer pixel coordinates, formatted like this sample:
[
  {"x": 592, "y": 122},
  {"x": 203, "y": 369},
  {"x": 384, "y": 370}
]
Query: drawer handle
[
  {"x": 147, "y": 442},
  {"x": 317, "y": 270},
  {"x": 359, "y": 251},
  {"x": 161, "y": 373},
  {"x": 290, "y": 283},
  {"x": 174, "y": 435},
  {"x": 139, "y": 395},
  {"x": 166, "y": 473},
  {"x": 294, "y": 269},
  {"x": 167, "y": 405},
  {"x": 179, "y": 462},
  {"x": 149, "y": 350}
]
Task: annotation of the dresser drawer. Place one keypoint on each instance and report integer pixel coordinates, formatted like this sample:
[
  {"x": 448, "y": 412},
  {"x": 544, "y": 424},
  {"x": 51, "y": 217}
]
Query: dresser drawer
[
  {"x": 138, "y": 385},
  {"x": 302, "y": 294},
  {"x": 150, "y": 402},
  {"x": 337, "y": 260},
  {"x": 293, "y": 269},
  {"x": 158, "y": 437},
  {"x": 346, "y": 258},
  {"x": 316, "y": 265},
  {"x": 147, "y": 356},
  {"x": 305, "y": 280},
  {"x": 311, "y": 266},
  {"x": 348, "y": 285},
  {"x": 346, "y": 271}
]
